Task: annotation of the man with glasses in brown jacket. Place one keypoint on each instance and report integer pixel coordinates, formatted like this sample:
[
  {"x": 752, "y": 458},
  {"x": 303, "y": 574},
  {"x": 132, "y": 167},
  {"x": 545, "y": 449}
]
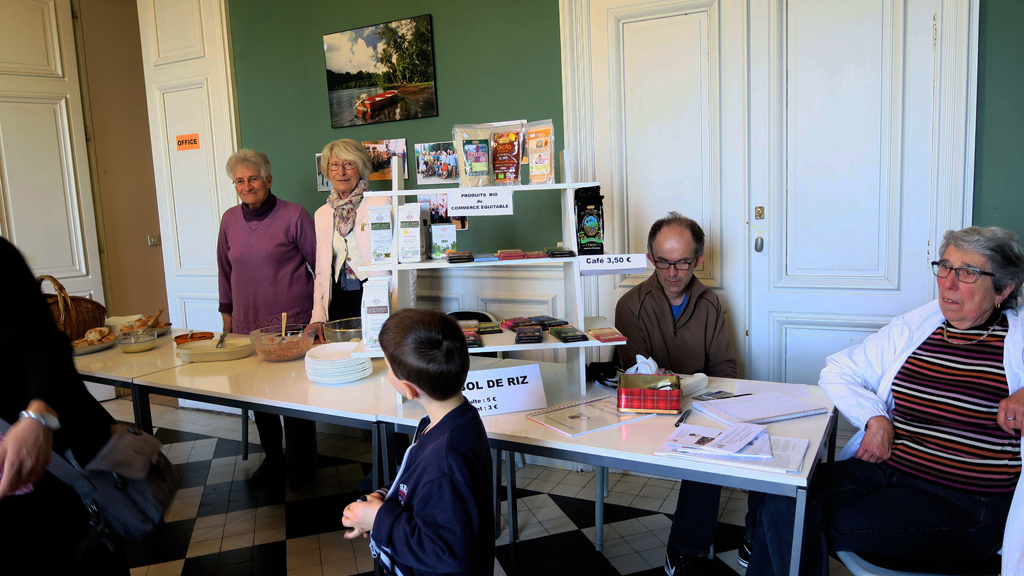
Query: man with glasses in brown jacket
[{"x": 674, "y": 319}]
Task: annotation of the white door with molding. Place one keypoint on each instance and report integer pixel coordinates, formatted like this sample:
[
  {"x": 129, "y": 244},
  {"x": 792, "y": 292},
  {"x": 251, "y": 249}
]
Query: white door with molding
[
  {"x": 192, "y": 122},
  {"x": 848, "y": 121},
  {"x": 648, "y": 92},
  {"x": 46, "y": 205}
]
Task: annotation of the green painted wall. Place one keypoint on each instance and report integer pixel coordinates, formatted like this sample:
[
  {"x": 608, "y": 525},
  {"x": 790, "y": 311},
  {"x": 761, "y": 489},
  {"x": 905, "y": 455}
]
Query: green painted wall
[
  {"x": 999, "y": 151},
  {"x": 494, "y": 61}
]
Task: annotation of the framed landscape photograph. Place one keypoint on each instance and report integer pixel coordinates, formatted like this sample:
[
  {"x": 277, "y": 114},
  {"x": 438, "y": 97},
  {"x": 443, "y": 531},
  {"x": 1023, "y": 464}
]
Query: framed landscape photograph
[{"x": 381, "y": 73}]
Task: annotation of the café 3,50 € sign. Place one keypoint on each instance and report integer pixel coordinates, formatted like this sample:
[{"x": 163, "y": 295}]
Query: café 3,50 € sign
[
  {"x": 482, "y": 201},
  {"x": 502, "y": 390},
  {"x": 593, "y": 265}
]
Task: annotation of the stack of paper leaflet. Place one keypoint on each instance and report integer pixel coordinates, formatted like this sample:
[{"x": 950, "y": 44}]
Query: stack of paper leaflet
[
  {"x": 334, "y": 364},
  {"x": 742, "y": 445}
]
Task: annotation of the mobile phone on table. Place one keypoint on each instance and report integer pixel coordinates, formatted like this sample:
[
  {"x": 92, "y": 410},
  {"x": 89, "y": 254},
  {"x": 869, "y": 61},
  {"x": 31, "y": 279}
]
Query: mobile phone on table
[{"x": 715, "y": 395}]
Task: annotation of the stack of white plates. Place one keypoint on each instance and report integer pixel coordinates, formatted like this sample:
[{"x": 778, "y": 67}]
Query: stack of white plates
[{"x": 334, "y": 364}]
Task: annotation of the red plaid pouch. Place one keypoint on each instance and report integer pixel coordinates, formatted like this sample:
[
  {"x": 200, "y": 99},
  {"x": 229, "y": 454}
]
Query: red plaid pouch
[{"x": 665, "y": 401}]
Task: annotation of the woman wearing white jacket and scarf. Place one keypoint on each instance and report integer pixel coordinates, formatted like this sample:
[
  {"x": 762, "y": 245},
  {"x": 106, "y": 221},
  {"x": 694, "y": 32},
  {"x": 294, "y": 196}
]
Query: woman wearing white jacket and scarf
[
  {"x": 342, "y": 232},
  {"x": 934, "y": 475}
]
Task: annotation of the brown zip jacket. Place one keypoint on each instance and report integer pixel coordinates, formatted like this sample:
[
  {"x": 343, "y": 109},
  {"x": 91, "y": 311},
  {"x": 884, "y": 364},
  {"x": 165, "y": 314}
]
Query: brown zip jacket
[{"x": 697, "y": 341}]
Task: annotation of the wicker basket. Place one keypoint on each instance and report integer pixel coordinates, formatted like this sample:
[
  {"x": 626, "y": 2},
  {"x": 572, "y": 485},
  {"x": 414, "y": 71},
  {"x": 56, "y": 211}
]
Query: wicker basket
[{"x": 74, "y": 314}]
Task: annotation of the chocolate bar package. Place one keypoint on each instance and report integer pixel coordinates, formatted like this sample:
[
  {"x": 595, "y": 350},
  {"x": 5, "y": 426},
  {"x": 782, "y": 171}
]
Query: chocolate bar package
[
  {"x": 559, "y": 252},
  {"x": 529, "y": 335},
  {"x": 489, "y": 328},
  {"x": 568, "y": 334},
  {"x": 547, "y": 322}
]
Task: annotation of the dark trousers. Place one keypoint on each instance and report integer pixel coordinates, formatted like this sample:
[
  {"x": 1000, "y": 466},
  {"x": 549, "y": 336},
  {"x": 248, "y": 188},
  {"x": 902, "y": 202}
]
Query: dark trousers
[
  {"x": 693, "y": 527},
  {"x": 344, "y": 303},
  {"x": 875, "y": 509},
  {"x": 271, "y": 435}
]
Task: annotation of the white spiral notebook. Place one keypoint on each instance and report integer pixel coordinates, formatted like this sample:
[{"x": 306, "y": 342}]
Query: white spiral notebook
[{"x": 763, "y": 408}]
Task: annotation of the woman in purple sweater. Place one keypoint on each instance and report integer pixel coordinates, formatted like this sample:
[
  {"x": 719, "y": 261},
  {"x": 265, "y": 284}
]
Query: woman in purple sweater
[{"x": 265, "y": 253}]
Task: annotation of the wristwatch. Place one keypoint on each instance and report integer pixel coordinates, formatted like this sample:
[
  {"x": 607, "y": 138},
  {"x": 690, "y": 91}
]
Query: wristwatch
[{"x": 48, "y": 420}]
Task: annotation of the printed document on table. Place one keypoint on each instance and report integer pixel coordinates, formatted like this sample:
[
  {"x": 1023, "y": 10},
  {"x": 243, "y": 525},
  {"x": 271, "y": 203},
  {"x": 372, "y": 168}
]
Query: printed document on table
[
  {"x": 787, "y": 456},
  {"x": 735, "y": 438},
  {"x": 742, "y": 439},
  {"x": 763, "y": 408},
  {"x": 794, "y": 390}
]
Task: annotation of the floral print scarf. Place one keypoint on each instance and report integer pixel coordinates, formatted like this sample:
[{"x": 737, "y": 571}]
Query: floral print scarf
[{"x": 345, "y": 208}]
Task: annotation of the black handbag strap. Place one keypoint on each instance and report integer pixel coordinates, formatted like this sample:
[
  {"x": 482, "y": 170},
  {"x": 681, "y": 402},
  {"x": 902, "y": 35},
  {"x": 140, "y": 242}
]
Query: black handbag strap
[{"x": 59, "y": 466}]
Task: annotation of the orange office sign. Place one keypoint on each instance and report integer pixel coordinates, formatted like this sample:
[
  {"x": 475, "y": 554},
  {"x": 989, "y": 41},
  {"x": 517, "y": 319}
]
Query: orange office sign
[{"x": 188, "y": 142}]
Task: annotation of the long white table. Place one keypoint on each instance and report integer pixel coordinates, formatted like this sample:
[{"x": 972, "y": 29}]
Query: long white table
[
  {"x": 632, "y": 446},
  {"x": 116, "y": 368},
  {"x": 282, "y": 388}
]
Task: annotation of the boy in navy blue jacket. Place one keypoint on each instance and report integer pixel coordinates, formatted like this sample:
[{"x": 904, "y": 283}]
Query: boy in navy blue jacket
[{"x": 437, "y": 517}]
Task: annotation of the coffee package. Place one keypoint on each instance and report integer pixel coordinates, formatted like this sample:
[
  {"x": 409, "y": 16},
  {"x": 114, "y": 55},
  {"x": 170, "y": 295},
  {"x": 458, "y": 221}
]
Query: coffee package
[{"x": 590, "y": 220}]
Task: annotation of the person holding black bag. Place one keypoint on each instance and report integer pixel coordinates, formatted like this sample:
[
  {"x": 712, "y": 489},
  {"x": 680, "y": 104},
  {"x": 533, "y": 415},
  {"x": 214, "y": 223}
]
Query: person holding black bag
[{"x": 44, "y": 525}]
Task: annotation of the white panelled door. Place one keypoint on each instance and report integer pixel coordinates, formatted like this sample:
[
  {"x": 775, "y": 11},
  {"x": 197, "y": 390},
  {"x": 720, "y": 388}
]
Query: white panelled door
[
  {"x": 190, "y": 96},
  {"x": 841, "y": 111},
  {"x": 822, "y": 145},
  {"x": 46, "y": 206},
  {"x": 661, "y": 78}
]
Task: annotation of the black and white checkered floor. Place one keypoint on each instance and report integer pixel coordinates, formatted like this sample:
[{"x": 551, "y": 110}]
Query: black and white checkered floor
[{"x": 220, "y": 524}]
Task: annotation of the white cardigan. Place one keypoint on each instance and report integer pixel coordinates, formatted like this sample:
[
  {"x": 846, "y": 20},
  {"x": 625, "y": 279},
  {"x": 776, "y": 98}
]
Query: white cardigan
[
  {"x": 859, "y": 381},
  {"x": 357, "y": 244}
]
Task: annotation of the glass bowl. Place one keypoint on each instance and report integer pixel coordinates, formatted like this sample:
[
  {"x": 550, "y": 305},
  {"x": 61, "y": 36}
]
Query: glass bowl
[
  {"x": 269, "y": 344},
  {"x": 344, "y": 330},
  {"x": 141, "y": 341}
]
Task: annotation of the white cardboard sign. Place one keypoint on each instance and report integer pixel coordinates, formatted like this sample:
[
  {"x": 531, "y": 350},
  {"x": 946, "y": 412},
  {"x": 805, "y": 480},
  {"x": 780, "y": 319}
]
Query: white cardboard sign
[
  {"x": 503, "y": 390},
  {"x": 481, "y": 201},
  {"x": 613, "y": 264}
]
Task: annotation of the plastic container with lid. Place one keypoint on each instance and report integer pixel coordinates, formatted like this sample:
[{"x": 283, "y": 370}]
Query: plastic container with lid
[{"x": 141, "y": 341}]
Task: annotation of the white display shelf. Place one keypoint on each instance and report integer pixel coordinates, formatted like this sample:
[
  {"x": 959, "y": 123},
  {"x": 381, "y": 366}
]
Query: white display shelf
[
  {"x": 404, "y": 295},
  {"x": 444, "y": 264},
  {"x": 504, "y": 342},
  {"x": 515, "y": 188}
]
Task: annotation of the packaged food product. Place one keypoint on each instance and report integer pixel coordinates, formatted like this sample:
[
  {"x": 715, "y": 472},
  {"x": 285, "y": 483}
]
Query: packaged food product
[
  {"x": 472, "y": 145},
  {"x": 413, "y": 220},
  {"x": 380, "y": 234},
  {"x": 376, "y": 308},
  {"x": 506, "y": 153},
  {"x": 590, "y": 220},
  {"x": 541, "y": 147},
  {"x": 442, "y": 240}
]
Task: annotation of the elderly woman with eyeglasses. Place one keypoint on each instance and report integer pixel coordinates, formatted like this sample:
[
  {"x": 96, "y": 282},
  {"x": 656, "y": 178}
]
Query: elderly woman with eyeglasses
[
  {"x": 265, "y": 251},
  {"x": 342, "y": 232},
  {"x": 930, "y": 481}
]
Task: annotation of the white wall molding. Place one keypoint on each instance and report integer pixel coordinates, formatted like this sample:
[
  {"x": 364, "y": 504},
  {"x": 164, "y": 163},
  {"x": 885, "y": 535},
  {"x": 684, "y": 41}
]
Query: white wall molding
[
  {"x": 48, "y": 40},
  {"x": 785, "y": 326},
  {"x": 955, "y": 114},
  {"x": 884, "y": 272},
  {"x": 179, "y": 31},
  {"x": 440, "y": 301},
  {"x": 70, "y": 260}
]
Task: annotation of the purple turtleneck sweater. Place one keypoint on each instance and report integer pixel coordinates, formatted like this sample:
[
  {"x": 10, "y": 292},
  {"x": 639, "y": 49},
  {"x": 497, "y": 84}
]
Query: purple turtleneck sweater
[{"x": 262, "y": 258}]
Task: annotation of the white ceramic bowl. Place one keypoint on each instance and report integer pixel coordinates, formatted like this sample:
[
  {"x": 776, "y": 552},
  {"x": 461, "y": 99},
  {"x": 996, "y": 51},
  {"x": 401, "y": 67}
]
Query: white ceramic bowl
[{"x": 207, "y": 351}]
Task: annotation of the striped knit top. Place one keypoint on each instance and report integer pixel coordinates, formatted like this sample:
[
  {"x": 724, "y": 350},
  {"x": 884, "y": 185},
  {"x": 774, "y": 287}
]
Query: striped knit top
[{"x": 946, "y": 399}]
